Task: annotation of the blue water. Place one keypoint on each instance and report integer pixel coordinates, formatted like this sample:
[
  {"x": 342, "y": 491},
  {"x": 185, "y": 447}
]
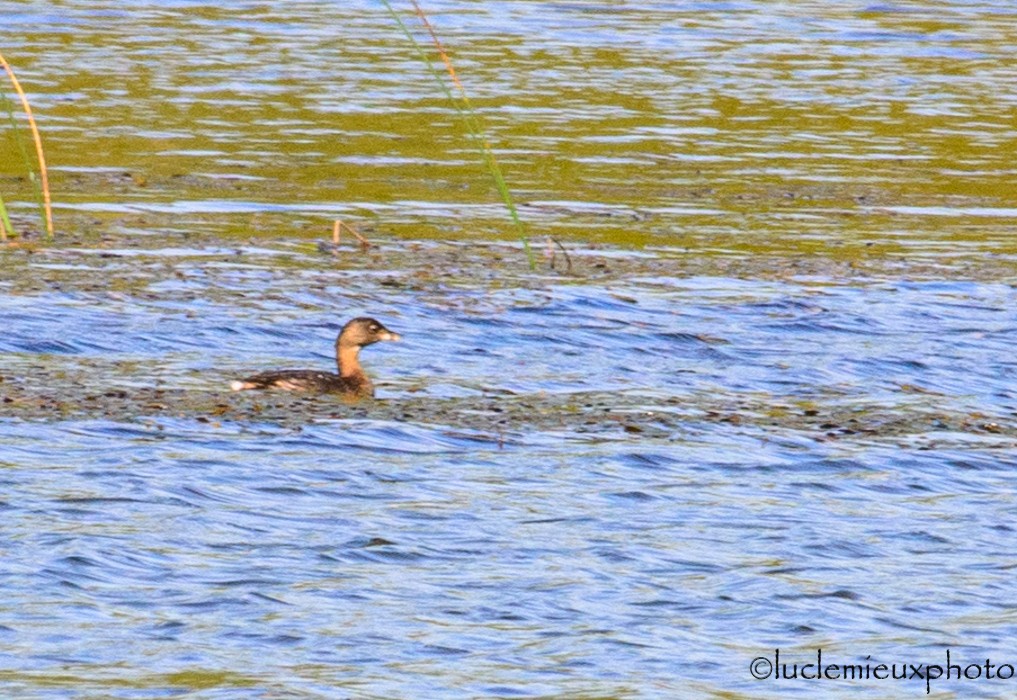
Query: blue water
[{"x": 162, "y": 555}]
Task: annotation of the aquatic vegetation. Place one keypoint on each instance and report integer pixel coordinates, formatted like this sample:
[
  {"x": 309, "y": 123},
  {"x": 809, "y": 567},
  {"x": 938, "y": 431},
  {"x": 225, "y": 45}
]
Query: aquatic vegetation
[
  {"x": 42, "y": 183},
  {"x": 466, "y": 113},
  {"x": 6, "y": 229},
  {"x": 5, "y": 222}
]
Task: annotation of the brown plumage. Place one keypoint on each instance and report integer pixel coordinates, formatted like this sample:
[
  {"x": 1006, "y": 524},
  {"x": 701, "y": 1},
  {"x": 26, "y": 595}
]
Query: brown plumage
[{"x": 351, "y": 379}]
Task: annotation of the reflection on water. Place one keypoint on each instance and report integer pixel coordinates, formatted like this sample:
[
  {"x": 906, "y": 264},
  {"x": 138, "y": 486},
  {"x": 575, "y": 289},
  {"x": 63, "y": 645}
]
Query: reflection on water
[{"x": 789, "y": 422}]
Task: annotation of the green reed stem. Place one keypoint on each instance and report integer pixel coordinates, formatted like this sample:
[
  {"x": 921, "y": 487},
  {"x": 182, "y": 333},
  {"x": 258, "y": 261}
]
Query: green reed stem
[
  {"x": 470, "y": 119},
  {"x": 19, "y": 140},
  {"x": 5, "y": 222}
]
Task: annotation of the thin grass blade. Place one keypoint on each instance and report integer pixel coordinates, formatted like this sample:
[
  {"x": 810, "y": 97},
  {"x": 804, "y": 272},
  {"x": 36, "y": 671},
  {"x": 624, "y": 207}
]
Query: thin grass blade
[
  {"x": 467, "y": 114},
  {"x": 43, "y": 174},
  {"x": 5, "y": 222},
  {"x": 19, "y": 142}
]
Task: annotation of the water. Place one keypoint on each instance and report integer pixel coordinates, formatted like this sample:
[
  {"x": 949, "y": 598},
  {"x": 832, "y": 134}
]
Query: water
[{"x": 772, "y": 407}]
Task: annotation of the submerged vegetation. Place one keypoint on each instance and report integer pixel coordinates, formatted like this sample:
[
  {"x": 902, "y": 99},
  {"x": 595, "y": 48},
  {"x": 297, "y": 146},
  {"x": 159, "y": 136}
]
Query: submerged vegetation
[
  {"x": 459, "y": 100},
  {"x": 41, "y": 183}
]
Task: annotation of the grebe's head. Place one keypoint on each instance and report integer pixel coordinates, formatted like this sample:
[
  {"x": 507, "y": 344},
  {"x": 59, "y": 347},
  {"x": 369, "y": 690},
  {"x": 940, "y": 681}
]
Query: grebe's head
[{"x": 364, "y": 331}]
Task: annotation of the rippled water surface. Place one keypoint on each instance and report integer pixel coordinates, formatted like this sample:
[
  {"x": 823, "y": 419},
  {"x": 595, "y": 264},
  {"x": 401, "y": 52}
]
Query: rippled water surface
[{"x": 767, "y": 402}]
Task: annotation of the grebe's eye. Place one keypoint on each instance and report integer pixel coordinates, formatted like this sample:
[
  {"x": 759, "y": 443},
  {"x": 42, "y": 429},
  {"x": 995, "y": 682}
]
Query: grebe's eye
[{"x": 375, "y": 329}]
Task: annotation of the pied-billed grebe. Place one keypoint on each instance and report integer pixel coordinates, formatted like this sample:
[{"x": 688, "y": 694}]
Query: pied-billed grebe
[{"x": 351, "y": 379}]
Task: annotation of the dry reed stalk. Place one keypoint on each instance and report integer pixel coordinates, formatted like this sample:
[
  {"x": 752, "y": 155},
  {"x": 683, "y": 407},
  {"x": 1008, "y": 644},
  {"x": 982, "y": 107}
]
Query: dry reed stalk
[
  {"x": 43, "y": 175},
  {"x": 552, "y": 257},
  {"x": 337, "y": 228},
  {"x": 441, "y": 51},
  {"x": 568, "y": 260}
]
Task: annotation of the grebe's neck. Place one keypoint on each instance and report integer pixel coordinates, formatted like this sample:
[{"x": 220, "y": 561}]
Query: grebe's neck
[{"x": 348, "y": 361}]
